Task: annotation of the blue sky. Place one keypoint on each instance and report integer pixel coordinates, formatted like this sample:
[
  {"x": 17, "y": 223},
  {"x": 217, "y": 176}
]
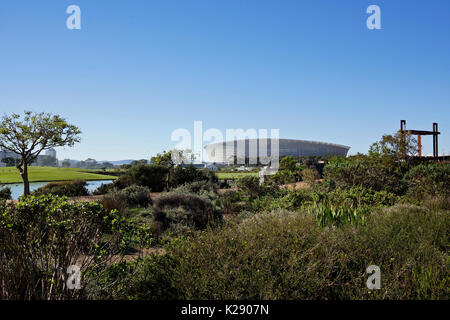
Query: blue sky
[{"x": 138, "y": 70}]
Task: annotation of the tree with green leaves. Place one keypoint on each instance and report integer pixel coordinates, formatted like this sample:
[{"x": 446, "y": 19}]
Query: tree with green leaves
[
  {"x": 394, "y": 148},
  {"x": 30, "y": 134},
  {"x": 172, "y": 158}
]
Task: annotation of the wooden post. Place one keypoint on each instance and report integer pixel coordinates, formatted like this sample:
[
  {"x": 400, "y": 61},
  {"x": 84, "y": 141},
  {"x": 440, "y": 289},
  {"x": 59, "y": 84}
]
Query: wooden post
[{"x": 419, "y": 144}]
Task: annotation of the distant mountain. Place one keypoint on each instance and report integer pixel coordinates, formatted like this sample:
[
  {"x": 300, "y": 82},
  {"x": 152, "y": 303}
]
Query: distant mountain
[{"x": 116, "y": 163}]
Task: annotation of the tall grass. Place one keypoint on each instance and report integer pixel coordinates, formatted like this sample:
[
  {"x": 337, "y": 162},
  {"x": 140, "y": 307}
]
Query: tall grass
[{"x": 286, "y": 255}]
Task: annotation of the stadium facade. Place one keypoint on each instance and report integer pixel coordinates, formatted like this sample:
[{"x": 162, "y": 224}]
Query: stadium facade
[{"x": 259, "y": 149}]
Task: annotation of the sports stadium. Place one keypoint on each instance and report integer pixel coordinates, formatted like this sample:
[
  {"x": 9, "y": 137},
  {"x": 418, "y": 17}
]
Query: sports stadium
[{"x": 226, "y": 152}]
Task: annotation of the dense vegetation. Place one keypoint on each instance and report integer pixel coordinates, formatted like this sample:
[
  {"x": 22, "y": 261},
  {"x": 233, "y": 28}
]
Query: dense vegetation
[
  {"x": 285, "y": 255},
  {"x": 76, "y": 188},
  {"x": 173, "y": 232}
]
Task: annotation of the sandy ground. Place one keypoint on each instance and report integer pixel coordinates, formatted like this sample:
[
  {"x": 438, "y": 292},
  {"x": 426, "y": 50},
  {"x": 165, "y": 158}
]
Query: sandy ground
[{"x": 296, "y": 186}]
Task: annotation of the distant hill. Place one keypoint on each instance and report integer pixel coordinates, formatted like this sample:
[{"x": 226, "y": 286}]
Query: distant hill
[
  {"x": 75, "y": 163},
  {"x": 119, "y": 162}
]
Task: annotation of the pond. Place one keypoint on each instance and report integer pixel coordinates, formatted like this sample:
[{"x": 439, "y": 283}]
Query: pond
[{"x": 17, "y": 188}]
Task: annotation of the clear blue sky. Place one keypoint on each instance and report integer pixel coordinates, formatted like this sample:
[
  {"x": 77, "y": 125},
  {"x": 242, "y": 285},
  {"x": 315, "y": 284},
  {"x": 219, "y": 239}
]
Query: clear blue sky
[{"x": 137, "y": 70}]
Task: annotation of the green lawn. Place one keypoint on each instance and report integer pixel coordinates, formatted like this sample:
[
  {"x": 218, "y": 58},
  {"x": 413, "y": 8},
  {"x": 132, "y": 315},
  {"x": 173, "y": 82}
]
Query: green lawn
[
  {"x": 40, "y": 174},
  {"x": 235, "y": 175}
]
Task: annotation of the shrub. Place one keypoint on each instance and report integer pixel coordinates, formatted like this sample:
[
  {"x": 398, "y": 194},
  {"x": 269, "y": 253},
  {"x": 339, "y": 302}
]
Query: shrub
[
  {"x": 231, "y": 202},
  {"x": 288, "y": 256},
  {"x": 205, "y": 189},
  {"x": 283, "y": 177},
  {"x": 114, "y": 200},
  {"x": 310, "y": 175},
  {"x": 75, "y": 188},
  {"x": 181, "y": 175},
  {"x": 362, "y": 172},
  {"x": 130, "y": 197},
  {"x": 104, "y": 189},
  {"x": 122, "y": 182},
  {"x": 249, "y": 186},
  {"x": 41, "y": 237},
  {"x": 136, "y": 196},
  {"x": 359, "y": 197},
  {"x": 5, "y": 193},
  {"x": 180, "y": 212},
  {"x": 150, "y": 176},
  {"x": 428, "y": 180}
]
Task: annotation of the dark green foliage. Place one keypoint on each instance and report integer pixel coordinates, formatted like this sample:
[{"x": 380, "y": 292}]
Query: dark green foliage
[
  {"x": 130, "y": 197},
  {"x": 231, "y": 202},
  {"x": 363, "y": 172},
  {"x": 122, "y": 182},
  {"x": 428, "y": 180},
  {"x": 181, "y": 212},
  {"x": 150, "y": 176},
  {"x": 354, "y": 197},
  {"x": 249, "y": 186},
  {"x": 41, "y": 236},
  {"x": 104, "y": 189},
  {"x": 181, "y": 175},
  {"x": 5, "y": 193},
  {"x": 288, "y": 256},
  {"x": 76, "y": 188},
  {"x": 284, "y": 177},
  {"x": 288, "y": 163}
]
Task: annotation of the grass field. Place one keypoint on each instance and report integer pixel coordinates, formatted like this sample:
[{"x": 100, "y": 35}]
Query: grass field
[
  {"x": 234, "y": 175},
  {"x": 40, "y": 174}
]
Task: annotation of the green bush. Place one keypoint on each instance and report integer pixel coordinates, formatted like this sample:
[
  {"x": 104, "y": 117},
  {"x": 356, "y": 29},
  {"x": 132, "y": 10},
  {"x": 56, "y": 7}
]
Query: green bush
[
  {"x": 130, "y": 197},
  {"x": 288, "y": 256},
  {"x": 362, "y": 172},
  {"x": 249, "y": 186},
  {"x": 180, "y": 212},
  {"x": 150, "y": 176},
  {"x": 181, "y": 175},
  {"x": 114, "y": 200},
  {"x": 5, "y": 193},
  {"x": 283, "y": 177},
  {"x": 75, "y": 188},
  {"x": 310, "y": 175},
  {"x": 137, "y": 196},
  {"x": 428, "y": 180},
  {"x": 206, "y": 189},
  {"x": 41, "y": 237},
  {"x": 231, "y": 202},
  {"x": 121, "y": 183},
  {"x": 104, "y": 189},
  {"x": 359, "y": 197}
]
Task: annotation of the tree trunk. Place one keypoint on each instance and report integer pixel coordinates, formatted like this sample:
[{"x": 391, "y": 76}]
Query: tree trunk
[{"x": 24, "y": 174}]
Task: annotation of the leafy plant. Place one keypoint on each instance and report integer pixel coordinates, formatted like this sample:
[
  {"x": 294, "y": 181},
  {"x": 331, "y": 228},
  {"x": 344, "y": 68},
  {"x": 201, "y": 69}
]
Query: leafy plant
[
  {"x": 337, "y": 216},
  {"x": 76, "y": 188},
  {"x": 5, "y": 193},
  {"x": 41, "y": 237},
  {"x": 428, "y": 180},
  {"x": 185, "y": 211}
]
